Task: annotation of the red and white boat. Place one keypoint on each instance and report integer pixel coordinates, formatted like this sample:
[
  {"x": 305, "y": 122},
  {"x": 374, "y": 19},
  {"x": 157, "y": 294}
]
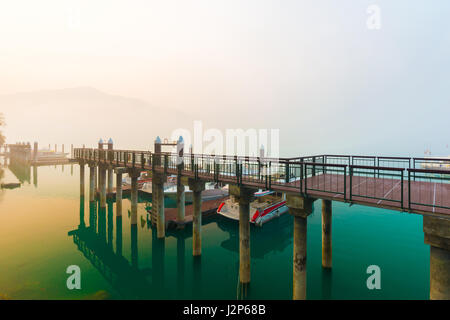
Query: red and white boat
[{"x": 268, "y": 205}]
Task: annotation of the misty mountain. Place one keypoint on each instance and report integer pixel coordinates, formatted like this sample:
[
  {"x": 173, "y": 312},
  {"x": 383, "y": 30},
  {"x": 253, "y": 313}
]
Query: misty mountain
[{"x": 82, "y": 115}]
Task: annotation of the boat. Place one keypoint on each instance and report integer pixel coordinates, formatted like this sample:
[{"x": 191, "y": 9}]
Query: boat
[
  {"x": 212, "y": 190},
  {"x": 438, "y": 163},
  {"x": 143, "y": 180},
  {"x": 267, "y": 206}
]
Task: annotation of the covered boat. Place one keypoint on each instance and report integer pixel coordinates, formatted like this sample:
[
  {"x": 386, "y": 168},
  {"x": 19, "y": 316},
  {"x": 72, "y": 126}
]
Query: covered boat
[{"x": 266, "y": 206}]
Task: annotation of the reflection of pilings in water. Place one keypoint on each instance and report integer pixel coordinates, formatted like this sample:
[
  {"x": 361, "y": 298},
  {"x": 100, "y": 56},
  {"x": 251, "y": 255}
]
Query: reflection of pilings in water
[
  {"x": 93, "y": 214},
  {"x": 197, "y": 276},
  {"x": 158, "y": 251},
  {"x": 110, "y": 223},
  {"x": 82, "y": 179},
  {"x": 35, "y": 176},
  {"x": 22, "y": 171},
  {"x": 326, "y": 283},
  {"x": 102, "y": 223},
  {"x": 71, "y": 169},
  {"x": 129, "y": 282},
  {"x": 82, "y": 223},
  {"x": 119, "y": 235},
  {"x": 181, "y": 247},
  {"x": 243, "y": 290},
  {"x": 280, "y": 229},
  {"x": 134, "y": 246}
]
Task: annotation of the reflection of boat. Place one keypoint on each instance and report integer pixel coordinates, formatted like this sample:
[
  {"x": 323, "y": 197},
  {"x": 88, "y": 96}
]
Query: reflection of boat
[
  {"x": 10, "y": 185},
  {"x": 273, "y": 238},
  {"x": 268, "y": 205}
]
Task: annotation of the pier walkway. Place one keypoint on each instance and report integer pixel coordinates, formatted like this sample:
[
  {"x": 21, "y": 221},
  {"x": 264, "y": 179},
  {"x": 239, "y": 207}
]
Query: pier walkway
[
  {"x": 414, "y": 185},
  {"x": 417, "y": 185}
]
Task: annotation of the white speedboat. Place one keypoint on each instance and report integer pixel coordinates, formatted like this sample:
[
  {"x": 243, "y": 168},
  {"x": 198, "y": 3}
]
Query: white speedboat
[
  {"x": 268, "y": 205},
  {"x": 439, "y": 163}
]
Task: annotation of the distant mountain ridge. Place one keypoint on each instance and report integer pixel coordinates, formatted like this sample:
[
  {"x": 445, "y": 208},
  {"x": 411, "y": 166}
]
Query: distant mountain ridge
[{"x": 81, "y": 115}]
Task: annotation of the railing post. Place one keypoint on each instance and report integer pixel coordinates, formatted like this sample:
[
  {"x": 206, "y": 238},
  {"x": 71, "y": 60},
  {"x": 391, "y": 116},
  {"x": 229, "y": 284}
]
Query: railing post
[
  {"x": 259, "y": 168},
  {"x": 402, "y": 191},
  {"x": 313, "y": 172},
  {"x": 378, "y": 165},
  {"x": 133, "y": 158},
  {"x": 166, "y": 163},
  {"x": 306, "y": 178},
  {"x": 270, "y": 174},
  {"x": 301, "y": 176},
  {"x": 409, "y": 189},
  {"x": 216, "y": 171},
  {"x": 351, "y": 181},
  {"x": 286, "y": 171},
  {"x": 345, "y": 183}
]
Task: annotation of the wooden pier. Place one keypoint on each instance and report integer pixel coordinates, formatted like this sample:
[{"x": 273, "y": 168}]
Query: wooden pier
[{"x": 396, "y": 183}]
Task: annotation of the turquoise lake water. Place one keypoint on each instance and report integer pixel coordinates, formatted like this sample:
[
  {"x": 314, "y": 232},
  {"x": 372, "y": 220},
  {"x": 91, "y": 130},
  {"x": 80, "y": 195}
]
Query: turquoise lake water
[{"x": 38, "y": 220}]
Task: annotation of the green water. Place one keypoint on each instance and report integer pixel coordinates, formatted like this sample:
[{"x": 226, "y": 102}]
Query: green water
[{"x": 121, "y": 262}]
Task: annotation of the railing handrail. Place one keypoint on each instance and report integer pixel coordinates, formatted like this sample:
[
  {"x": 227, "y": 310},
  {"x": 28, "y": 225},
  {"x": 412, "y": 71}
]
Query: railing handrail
[
  {"x": 321, "y": 164},
  {"x": 393, "y": 158},
  {"x": 376, "y": 168},
  {"x": 433, "y": 159},
  {"x": 436, "y": 171}
]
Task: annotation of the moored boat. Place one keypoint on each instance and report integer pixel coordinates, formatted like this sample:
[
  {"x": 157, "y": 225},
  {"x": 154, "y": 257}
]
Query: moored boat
[{"x": 267, "y": 206}]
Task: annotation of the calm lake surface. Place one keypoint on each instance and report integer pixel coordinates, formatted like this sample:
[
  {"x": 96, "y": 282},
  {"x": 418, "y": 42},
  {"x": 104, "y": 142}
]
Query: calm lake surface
[{"x": 44, "y": 228}]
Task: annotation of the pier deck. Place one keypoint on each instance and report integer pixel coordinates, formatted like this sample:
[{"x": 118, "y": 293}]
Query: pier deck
[{"x": 398, "y": 183}]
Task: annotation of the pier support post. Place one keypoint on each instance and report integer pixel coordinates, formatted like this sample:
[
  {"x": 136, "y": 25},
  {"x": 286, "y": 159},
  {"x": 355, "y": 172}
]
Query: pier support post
[
  {"x": 197, "y": 186},
  {"x": 110, "y": 181},
  {"x": 102, "y": 176},
  {"x": 81, "y": 178},
  {"x": 437, "y": 235},
  {"x": 96, "y": 180},
  {"x": 158, "y": 181},
  {"x": 326, "y": 234},
  {"x": 300, "y": 208},
  {"x": 91, "y": 182},
  {"x": 243, "y": 196},
  {"x": 119, "y": 172},
  {"x": 181, "y": 201},
  {"x": 134, "y": 175},
  {"x": 181, "y": 197}
]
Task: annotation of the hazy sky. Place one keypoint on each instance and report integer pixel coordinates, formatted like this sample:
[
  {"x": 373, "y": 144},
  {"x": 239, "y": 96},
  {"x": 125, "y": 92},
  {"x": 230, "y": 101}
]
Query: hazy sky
[{"x": 311, "y": 68}]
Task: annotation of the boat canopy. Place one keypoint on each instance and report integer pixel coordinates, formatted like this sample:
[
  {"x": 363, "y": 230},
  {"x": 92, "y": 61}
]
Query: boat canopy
[{"x": 263, "y": 193}]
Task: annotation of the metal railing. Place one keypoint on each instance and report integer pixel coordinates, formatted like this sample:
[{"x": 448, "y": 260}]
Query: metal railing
[
  {"x": 349, "y": 177},
  {"x": 436, "y": 196},
  {"x": 377, "y": 183},
  {"x": 327, "y": 178}
]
